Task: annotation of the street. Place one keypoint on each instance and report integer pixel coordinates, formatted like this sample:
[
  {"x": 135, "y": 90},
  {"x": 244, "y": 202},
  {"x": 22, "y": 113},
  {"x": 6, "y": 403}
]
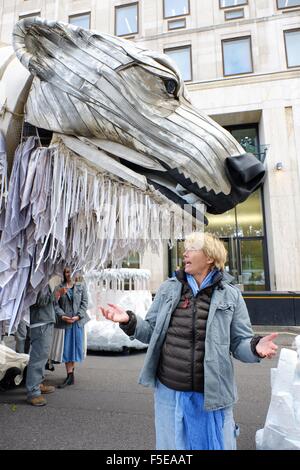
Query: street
[{"x": 107, "y": 409}]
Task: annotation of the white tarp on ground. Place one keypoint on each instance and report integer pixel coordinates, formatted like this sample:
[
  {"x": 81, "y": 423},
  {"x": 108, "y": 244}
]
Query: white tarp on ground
[
  {"x": 9, "y": 359},
  {"x": 282, "y": 427},
  {"x": 108, "y": 286}
]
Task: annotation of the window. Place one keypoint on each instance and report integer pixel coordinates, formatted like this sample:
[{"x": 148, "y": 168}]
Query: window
[
  {"x": 176, "y": 8},
  {"x": 234, "y": 14},
  {"x": 83, "y": 21},
  {"x": 131, "y": 261},
  {"x": 126, "y": 19},
  {"x": 177, "y": 24},
  {"x": 237, "y": 57},
  {"x": 292, "y": 47},
  {"x": 182, "y": 58},
  {"x": 29, "y": 15},
  {"x": 232, "y": 3},
  {"x": 281, "y": 4}
]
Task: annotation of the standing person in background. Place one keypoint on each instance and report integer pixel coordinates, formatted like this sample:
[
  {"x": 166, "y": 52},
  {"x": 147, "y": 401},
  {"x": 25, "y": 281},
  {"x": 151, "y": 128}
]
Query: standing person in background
[
  {"x": 42, "y": 319},
  {"x": 22, "y": 337},
  {"x": 71, "y": 310},
  {"x": 197, "y": 322}
]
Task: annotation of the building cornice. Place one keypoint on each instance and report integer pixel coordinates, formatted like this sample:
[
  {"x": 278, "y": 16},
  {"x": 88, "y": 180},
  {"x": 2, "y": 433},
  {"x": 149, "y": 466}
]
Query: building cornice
[
  {"x": 244, "y": 80},
  {"x": 233, "y": 24}
]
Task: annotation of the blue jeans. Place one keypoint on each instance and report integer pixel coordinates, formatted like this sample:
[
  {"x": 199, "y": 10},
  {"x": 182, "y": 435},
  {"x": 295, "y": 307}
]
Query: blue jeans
[
  {"x": 169, "y": 424},
  {"x": 41, "y": 340},
  {"x": 22, "y": 337}
]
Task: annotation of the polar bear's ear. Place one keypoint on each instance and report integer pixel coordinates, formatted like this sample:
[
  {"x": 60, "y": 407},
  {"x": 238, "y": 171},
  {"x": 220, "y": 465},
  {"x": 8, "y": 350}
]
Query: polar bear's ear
[{"x": 22, "y": 39}]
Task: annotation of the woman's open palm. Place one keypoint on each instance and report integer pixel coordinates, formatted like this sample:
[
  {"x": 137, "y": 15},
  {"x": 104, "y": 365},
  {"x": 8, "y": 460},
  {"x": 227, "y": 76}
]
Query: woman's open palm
[
  {"x": 265, "y": 347},
  {"x": 115, "y": 313}
]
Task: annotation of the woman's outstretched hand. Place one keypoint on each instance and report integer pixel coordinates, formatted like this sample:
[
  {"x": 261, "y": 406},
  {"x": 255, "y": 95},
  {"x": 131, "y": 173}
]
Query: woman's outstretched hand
[
  {"x": 115, "y": 313},
  {"x": 265, "y": 347}
]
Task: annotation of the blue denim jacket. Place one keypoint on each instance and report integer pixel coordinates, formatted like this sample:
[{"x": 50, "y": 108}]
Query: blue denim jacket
[
  {"x": 228, "y": 333},
  {"x": 75, "y": 306}
]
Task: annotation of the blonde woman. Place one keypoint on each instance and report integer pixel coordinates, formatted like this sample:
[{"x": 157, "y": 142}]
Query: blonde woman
[{"x": 197, "y": 322}]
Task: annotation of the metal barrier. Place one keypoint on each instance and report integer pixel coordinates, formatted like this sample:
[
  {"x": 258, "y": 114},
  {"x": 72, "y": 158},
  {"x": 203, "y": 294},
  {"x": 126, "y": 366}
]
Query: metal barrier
[{"x": 273, "y": 308}]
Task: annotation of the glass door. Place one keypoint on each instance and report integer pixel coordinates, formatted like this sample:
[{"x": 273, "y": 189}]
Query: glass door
[
  {"x": 246, "y": 262},
  {"x": 252, "y": 264}
]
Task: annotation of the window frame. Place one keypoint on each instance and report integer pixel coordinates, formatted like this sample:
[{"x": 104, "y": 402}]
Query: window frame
[
  {"x": 223, "y": 55},
  {"x": 237, "y": 18},
  {"x": 176, "y": 16},
  {"x": 29, "y": 15},
  {"x": 285, "y": 47},
  {"x": 117, "y": 7},
  {"x": 178, "y": 27},
  {"x": 286, "y": 8},
  {"x": 77, "y": 15},
  {"x": 233, "y": 6},
  {"x": 176, "y": 48}
]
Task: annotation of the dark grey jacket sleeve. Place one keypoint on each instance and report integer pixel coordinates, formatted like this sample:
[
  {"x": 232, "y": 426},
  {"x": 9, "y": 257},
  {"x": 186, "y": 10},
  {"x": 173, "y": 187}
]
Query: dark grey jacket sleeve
[
  {"x": 241, "y": 333},
  {"x": 129, "y": 328},
  {"x": 83, "y": 304},
  {"x": 45, "y": 297}
]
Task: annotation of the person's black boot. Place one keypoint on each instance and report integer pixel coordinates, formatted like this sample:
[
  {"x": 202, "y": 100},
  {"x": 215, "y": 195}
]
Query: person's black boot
[
  {"x": 49, "y": 366},
  {"x": 69, "y": 380}
]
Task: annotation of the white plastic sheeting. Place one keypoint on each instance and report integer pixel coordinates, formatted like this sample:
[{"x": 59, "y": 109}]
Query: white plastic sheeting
[
  {"x": 9, "y": 359},
  {"x": 282, "y": 427},
  {"x": 108, "y": 286},
  {"x": 61, "y": 210},
  {"x": 3, "y": 178},
  {"x": 25, "y": 227}
]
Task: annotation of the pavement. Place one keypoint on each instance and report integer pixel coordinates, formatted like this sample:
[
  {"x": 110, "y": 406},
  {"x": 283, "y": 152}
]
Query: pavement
[{"x": 106, "y": 408}]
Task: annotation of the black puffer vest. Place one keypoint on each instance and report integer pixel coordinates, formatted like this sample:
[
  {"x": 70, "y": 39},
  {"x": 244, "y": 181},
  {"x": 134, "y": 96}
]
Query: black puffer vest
[{"x": 182, "y": 356}]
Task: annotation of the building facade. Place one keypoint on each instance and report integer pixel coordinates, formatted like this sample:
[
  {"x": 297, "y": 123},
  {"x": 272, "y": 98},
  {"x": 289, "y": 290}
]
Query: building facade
[{"x": 241, "y": 63}]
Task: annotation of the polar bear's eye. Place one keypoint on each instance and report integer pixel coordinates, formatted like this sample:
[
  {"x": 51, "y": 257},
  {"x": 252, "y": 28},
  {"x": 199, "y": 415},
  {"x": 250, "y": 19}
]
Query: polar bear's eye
[{"x": 170, "y": 86}]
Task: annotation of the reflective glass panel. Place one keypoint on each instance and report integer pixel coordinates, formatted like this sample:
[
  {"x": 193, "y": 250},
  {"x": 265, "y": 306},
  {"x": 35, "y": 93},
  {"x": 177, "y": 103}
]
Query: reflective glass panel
[
  {"x": 237, "y": 56},
  {"x": 182, "y": 58},
  {"x": 222, "y": 225},
  {"x": 253, "y": 273},
  {"x": 288, "y": 3},
  {"x": 232, "y": 3},
  {"x": 127, "y": 20},
  {"x": 250, "y": 216},
  {"x": 176, "y": 8},
  {"x": 247, "y": 137},
  {"x": 292, "y": 41},
  {"x": 234, "y": 14},
  {"x": 132, "y": 261},
  {"x": 176, "y": 24},
  {"x": 83, "y": 21}
]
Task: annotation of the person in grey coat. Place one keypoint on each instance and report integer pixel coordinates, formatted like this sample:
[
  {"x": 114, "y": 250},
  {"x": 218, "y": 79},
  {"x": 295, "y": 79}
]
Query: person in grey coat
[
  {"x": 71, "y": 310},
  {"x": 42, "y": 319},
  {"x": 197, "y": 322}
]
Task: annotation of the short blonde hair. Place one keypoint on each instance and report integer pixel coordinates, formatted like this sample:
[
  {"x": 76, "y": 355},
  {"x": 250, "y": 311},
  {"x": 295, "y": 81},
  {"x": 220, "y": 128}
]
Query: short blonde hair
[{"x": 211, "y": 245}]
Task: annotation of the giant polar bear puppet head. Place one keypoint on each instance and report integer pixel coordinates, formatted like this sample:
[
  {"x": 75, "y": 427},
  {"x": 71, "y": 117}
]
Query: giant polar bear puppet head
[
  {"x": 125, "y": 136},
  {"x": 135, "y": 104}
]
